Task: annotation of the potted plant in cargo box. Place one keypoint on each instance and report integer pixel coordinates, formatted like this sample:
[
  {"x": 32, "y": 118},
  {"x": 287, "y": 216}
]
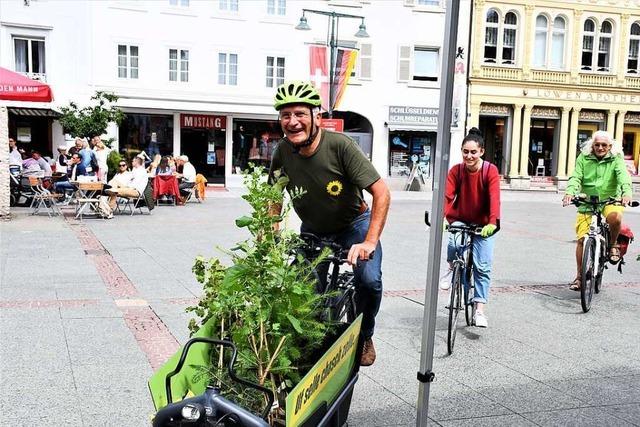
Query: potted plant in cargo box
[{"x": 264, "y": 301}]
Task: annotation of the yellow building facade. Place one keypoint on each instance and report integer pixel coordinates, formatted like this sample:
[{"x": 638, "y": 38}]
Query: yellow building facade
[{"x": 547, "y": 74}]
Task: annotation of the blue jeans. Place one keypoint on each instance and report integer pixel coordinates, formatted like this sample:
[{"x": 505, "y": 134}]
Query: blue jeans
[
  {"x": 61, "y": 186},
  {"x": 368, "y": 275},
  {"x": 482, "y": 250}
]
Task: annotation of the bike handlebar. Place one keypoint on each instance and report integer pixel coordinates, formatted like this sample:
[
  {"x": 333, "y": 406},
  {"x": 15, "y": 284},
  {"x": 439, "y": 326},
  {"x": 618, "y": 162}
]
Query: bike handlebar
[
  {"x": 595, "y": 203},
  {"x": 339, "y": 254},
  {"x": 208, "y": 405},
  {"x": 232, "y": 374}
]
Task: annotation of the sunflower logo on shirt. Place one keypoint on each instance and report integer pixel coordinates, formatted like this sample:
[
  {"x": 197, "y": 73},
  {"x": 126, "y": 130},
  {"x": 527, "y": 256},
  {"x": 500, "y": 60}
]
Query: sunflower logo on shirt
[{"x": 334, "y": 188}]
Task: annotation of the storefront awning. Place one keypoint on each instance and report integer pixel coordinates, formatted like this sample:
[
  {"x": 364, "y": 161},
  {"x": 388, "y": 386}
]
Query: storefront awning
[
  {"x": 16, "y": 87},
  {"x": 34, "y": 112}
]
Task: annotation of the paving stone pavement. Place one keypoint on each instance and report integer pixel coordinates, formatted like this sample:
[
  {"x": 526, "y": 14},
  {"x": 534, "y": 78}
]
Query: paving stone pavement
[{"x": 89, "y": 309}]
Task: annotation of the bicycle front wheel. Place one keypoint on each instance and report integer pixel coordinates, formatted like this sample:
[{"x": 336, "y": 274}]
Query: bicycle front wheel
[
  {"x": 589, "y": 275},
  {"x": 455, "y": 305}
]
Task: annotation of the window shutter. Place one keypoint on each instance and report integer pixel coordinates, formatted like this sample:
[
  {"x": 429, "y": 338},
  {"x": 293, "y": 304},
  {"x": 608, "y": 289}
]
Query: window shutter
[
  {"x": 365, "y": 61},
  {"x": 404, "y": 63}
]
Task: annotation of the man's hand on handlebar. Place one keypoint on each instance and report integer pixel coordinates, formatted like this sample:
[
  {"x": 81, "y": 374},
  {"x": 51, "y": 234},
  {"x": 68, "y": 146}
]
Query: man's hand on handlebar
[
  {"x": 626, "y": 200},
  {"x": 567, "y": 199},
  {"x": 360, "y": 251}
]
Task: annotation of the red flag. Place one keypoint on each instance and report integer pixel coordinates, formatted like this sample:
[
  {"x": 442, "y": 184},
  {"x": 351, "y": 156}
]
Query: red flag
[
  {"x": 345, "y": 62},
  {"x": 319, "y": 72}
]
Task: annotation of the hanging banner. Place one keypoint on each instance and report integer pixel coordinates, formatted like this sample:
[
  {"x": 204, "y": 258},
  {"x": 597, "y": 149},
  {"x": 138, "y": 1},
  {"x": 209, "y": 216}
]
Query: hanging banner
[
  {"x": 345, "y": 63},
  {"x": 319, "y": 72}
]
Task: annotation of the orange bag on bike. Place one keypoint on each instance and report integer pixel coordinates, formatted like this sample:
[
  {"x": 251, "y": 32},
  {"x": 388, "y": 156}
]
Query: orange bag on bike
[{"x": 624, "y": 238}]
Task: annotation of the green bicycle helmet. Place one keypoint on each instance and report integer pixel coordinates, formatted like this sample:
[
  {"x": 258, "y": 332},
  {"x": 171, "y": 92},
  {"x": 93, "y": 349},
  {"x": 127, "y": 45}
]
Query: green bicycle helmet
[{"x": 296, "y": 92}]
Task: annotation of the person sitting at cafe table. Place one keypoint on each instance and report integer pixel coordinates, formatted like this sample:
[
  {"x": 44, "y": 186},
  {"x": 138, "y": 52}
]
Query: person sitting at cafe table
[
  {"x": 74, "y": 170},
  {"x": 122, "y": 177},
  {"x": 188, "y": 175},
  {"x": 62, "y": 160},
  {"x": 163, "y": 167},
  {"x": 133, "y": 187},
  {"x": 42, "y": 162}
]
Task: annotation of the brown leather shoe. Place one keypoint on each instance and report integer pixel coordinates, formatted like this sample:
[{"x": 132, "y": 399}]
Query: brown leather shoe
[{"x": 368, "y": 353}]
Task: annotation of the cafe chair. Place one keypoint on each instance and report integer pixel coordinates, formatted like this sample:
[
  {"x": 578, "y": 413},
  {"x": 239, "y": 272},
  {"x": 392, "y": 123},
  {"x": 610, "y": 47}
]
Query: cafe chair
[{"x": 42, "y": 198}]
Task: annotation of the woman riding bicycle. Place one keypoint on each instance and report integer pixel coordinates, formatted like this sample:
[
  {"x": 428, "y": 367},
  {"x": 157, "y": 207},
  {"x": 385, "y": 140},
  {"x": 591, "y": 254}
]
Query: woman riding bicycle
[
  {"x": 600, "y": 171},
  {"x": 472, "y": 196}
]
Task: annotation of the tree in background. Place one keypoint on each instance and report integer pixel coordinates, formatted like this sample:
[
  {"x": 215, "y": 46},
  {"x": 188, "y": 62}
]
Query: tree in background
[{"x": 92, "y": 120}]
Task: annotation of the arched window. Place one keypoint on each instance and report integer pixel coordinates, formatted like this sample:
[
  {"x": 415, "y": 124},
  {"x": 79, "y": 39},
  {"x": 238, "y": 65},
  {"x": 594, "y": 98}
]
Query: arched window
[
  {"x": 540, "y": 50},
  {"x": 509, "y": 39},
  {"x": 596, "y": 41},
  {"x": 500, "y": 38},
  {"x": 549, "y": 43},
  {"x": 557, "y": 43},
  {"x": 604, "y": 46},
  {"x": 491, "y": 37},
  {"x": 634, "y": 44}
]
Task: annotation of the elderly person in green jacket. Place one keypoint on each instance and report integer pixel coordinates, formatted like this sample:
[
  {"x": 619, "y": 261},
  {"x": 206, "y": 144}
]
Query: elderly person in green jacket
[{"x": 600, "y": 171}]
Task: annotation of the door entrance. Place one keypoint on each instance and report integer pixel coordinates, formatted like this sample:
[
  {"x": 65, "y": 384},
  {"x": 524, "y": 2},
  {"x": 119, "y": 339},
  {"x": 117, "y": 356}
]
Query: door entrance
[
  {"x": 493, "y": 131},
  {"x": 543, "y": 135},
  {"x": 205, "y": 149}
]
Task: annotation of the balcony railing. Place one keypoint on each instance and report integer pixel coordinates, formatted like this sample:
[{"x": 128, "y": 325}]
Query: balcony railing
[
  {"x": 35, "y": 76},
  {"x": 501, "y": 73},
  {"x": 632, "y": 82},
  {"x": 549, "y": 76},
  {"x": 597, "y": 80}
]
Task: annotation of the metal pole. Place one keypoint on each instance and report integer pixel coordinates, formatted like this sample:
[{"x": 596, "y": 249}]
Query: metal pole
[
  {"x": 332, "y": 48},
  {"x": 425, "y": 374}
]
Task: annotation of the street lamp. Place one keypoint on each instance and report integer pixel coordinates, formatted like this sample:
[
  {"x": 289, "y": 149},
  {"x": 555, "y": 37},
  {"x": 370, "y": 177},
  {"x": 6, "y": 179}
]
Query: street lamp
[{"x": 333, "y": 42}]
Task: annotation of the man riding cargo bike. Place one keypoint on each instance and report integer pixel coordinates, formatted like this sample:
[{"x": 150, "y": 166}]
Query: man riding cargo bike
[{"x": 333, "y": 171}]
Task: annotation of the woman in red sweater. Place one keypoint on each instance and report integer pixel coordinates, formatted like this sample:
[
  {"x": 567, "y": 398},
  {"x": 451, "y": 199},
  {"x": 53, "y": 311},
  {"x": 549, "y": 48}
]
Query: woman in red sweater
[{"x": 472, "y": 196}]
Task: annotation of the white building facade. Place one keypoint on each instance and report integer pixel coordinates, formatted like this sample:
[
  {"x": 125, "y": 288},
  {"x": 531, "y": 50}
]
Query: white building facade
[{"x": 198, "y": 77}]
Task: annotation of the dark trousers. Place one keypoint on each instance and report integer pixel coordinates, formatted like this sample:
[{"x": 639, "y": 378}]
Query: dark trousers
[{"x": 368, "y": 275}]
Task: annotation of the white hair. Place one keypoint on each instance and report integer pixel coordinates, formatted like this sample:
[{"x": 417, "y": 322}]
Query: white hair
[
  {"x": 616, "y": 147},
  {"x": 184, "y": 158}
]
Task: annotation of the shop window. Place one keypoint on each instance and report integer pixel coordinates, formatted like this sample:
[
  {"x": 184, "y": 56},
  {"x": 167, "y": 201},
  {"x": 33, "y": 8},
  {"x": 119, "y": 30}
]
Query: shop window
[
  {"x": 634, "y": 43},
  {"x": 254, "y": 142},
  {"x": 596, "y": 46},
  {"x": 152, "y": 134},
  {"x": 408, "y": 149},
  {"x": 275, "y": 71},
  {"x": 178, "y": 67},
  {"x": 127, "y": 61},
  {"x": 228, "y": 69},
  {"x": 30, "y": 57},
  {"x": 500, "y": 38},
  {"x": 229, "y": 5},
  {"x": 277, "y": 7}
]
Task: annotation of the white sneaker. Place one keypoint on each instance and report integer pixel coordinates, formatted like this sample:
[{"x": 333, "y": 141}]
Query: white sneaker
[
  {"x": 480, "y": 320},
  {"x": 445, "y": 281}
]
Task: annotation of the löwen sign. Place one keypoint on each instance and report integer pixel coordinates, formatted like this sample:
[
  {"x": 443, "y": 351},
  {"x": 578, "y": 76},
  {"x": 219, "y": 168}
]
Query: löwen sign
[{"x": 203, "y": 121}]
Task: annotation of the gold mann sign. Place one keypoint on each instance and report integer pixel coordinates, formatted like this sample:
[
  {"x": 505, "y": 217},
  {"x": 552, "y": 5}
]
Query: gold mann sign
[{"x": 571, "y": 95}]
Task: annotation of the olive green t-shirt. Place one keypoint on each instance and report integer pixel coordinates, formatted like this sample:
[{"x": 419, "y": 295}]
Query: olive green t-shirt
[{"x": 333, "y": 178}]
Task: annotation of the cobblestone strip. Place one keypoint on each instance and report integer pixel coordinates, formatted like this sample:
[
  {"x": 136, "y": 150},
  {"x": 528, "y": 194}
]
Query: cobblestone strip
[
  {"x": 69, "y": 303},
  {"x": 118, "y": 284},
  {"x": 152, "y": 335}
]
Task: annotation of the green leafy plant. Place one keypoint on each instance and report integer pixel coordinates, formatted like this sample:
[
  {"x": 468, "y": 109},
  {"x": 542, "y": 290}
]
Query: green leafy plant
[
  {"x": 265, "y": 302},
  {"x": 113, "y": 159},
  {"x": 93, "y": 120}
]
